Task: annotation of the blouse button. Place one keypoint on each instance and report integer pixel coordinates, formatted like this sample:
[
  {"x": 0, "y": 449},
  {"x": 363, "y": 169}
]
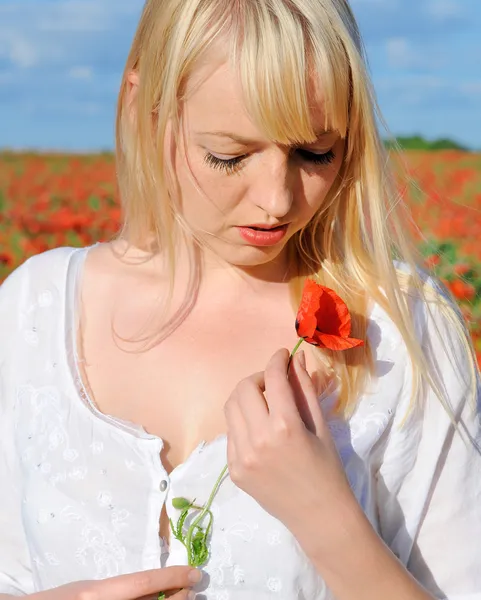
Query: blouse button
[{"x": 163, "y": 485}]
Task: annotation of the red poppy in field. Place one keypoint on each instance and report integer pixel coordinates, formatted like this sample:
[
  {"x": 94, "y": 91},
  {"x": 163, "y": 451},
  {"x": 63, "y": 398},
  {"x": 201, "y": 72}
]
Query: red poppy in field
[
  {"x": 433, "y": 260},
  {"x": 461, "y": 269},
  {"x": 7, "y": 258},
  {"x": 461, "y": 290},
  {"x": 323, "y": 319}
]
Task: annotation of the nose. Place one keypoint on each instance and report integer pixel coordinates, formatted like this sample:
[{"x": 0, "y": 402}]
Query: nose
[{"x": 274, "y": 192}]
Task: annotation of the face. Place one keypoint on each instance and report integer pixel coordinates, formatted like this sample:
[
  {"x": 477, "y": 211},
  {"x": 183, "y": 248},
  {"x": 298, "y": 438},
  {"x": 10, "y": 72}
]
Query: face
[{"x": 231, "y": 176}]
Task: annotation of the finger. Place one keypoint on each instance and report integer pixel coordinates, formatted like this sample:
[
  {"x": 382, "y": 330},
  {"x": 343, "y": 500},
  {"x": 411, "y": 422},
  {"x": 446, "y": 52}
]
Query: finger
[
  {"x": 238, "y": 437},
  {"x": 279, "y": 394},
  {"x": 144, "y": 583},
  {"x": 259, "y": 380},
  {"x": 182, "y": 595},
  {"x": 232, "y": 453},
  {"x": 305, "y": 396},
  {"x": 252, "y": 403}
]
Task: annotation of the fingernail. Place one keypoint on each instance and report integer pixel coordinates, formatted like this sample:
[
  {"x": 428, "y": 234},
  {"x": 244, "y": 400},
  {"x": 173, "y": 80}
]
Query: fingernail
[
  {"x": 195, "y": 576},
  {"x": 302, "y": 358},
  {"x": 191, "y": 595}
]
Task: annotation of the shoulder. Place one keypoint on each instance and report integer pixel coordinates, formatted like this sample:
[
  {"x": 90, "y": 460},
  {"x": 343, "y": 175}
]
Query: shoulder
[
  {"x": 44, "y": 266},
  {"x": 45, "y": 270},
  {"x": 438, "y": 383},
  {"x": 431, "y": 307},
  {"x": 439, "y": 337},
  {"x": 36, "y": 281},
  {"x": 113, "y": 269},
  {"x": 439, "y": 323},
  {"x": 442, "y": 371}
]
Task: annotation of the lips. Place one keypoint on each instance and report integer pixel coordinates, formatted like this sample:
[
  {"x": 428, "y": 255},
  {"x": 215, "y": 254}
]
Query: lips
[
  {"x": 266, "y": 227},
  {"x": 258, "y": 236}
]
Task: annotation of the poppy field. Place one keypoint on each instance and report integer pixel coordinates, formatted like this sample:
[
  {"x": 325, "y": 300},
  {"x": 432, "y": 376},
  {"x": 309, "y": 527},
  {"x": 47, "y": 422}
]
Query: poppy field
[{"x": 68, "y": 200}]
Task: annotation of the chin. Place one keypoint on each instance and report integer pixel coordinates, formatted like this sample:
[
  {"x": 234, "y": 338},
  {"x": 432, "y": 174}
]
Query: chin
[{"x": 249, "y": 256}]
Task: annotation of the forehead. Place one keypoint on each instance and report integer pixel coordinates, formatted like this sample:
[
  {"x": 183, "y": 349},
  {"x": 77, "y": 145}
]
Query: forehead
[{"x": 213, "y": 100}]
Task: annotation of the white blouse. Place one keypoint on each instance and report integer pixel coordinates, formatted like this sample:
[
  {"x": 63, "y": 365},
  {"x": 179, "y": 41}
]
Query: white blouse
[{"x": 81, "y": 492}]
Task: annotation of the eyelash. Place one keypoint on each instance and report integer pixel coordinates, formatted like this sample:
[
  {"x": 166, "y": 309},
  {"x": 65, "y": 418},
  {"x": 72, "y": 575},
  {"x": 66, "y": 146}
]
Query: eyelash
[{"x": 234, "y": 164}]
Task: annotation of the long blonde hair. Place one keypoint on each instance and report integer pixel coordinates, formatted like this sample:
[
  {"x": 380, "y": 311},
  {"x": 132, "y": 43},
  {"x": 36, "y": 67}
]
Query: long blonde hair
[{"x": 277, "y": 46}]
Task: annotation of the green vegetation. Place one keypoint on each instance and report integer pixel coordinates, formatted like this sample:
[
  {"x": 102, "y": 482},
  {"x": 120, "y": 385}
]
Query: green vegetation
[{"x": 417, "y": 142}]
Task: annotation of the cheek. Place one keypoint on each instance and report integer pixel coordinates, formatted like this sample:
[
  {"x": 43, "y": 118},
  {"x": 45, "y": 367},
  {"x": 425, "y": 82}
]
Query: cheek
[
  {"x": 206, "y": 193},
  {"x": 192, "y": 182},
  {"x": 317, "y": 186}
]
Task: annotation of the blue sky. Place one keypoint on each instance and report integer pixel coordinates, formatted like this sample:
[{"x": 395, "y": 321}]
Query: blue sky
[{"x": 61, "y": 62}]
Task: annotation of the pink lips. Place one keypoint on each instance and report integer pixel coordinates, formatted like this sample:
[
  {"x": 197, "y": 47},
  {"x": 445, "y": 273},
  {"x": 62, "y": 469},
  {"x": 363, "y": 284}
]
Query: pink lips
[
  {"x": 263, "y": 226},
  {"x": 265, "y": 237}
]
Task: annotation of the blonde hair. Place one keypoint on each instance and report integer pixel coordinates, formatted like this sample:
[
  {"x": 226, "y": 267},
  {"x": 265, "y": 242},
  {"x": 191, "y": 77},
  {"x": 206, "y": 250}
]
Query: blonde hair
[{"x": 361, "y": 227}]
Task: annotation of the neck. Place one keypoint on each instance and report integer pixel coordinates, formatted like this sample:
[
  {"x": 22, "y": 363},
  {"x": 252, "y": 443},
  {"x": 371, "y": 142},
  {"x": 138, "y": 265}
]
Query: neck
[{"x": 217, "y": 272}]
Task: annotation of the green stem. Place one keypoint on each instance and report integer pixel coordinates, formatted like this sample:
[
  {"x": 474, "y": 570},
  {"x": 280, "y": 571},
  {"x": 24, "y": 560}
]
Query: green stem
[
  {"x": 293, "y": 352},
  {"x": 202, "y": 514},
  {"x": 206, "y": 508}
]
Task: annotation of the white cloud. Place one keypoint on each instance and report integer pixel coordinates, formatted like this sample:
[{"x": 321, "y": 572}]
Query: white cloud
[
  {"x": 21, "y": 52},
  {"x": 23, "y": 49},
  {"x": 425, "y": 81},
  {"x": 78, "y": 16},
  {"x": 80, "y": 73},
  {"x": 398, "y": 52},
  {"x": 444, "y": 9},
  {"x": 46, "y": 32},
  {"x": 471, "y": 89},
  {"x": 411, "y": 90},
  {"x": 404, "y": 54},
  {"x": 423, "y": 91}
]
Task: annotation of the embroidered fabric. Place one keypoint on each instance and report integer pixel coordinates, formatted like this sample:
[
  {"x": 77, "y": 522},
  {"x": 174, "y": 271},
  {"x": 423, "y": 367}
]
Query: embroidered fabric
[{"x": 86, "y": 491}]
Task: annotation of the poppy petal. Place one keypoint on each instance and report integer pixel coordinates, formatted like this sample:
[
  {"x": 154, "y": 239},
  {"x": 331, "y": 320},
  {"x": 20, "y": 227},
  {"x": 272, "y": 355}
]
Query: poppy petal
[
  {"x": 333, "y": 315},
  {"x": 306, "y": 326},
  {"x": 335, "y": 342},
  {"x": 323, "y": 318},
  {"x": 310, "y": 299}
]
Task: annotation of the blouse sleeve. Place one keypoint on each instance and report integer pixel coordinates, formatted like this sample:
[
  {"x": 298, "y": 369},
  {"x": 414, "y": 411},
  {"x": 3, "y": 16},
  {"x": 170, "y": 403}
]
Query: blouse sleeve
[
  {"x": 429, "y": 481},
  {"x": 15, "y": 571}
]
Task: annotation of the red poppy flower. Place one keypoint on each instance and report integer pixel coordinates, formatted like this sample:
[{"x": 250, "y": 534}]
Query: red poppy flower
[{"x": 323, "y": 319}]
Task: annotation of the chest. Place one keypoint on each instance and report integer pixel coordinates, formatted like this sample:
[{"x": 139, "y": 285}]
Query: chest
[
  {"x": 103, "y": 487},
  {"x": 177, "y": 389}
]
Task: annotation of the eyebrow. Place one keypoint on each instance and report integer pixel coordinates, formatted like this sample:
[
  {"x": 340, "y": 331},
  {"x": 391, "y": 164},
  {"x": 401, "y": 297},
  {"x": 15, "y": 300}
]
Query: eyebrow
[{"x": 320, "y": 133}]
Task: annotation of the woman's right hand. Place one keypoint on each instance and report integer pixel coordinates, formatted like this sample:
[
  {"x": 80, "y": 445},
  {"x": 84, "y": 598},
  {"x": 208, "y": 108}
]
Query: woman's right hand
[{"x": 145, "y": 585}]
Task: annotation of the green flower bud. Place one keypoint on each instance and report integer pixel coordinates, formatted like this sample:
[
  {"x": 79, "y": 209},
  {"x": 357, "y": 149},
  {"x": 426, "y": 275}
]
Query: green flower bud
[{"x": 180, "y": 503}]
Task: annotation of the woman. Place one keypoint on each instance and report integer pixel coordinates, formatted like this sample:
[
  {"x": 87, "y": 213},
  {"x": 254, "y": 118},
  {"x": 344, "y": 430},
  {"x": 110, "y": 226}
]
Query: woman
[{"x": 248, "y": 162}]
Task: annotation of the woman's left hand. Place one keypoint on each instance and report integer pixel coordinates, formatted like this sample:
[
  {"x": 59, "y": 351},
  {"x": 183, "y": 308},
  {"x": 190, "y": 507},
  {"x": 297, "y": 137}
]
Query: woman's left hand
[{"x": 280, "y": 450}]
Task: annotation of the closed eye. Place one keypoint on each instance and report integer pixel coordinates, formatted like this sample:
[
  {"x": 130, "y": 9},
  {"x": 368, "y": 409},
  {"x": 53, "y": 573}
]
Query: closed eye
[
  {"x": 232, "y": 165},
  {"x": 318, "y": 159}
]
